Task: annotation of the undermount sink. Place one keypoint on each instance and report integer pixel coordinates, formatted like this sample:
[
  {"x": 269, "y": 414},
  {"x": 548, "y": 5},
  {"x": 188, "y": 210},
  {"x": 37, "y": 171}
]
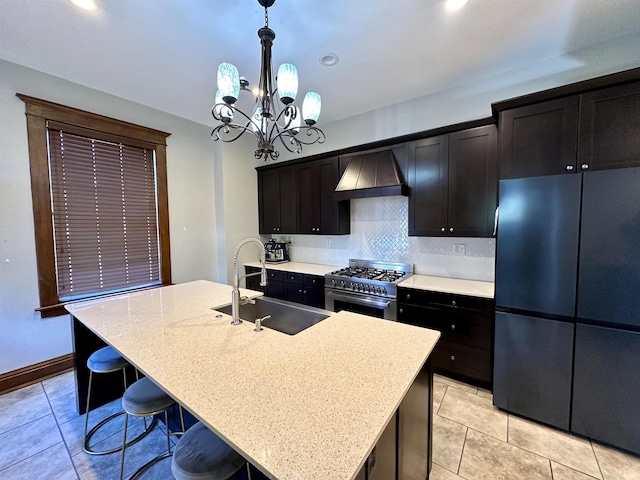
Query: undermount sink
[{"x": 286, "y": 317}]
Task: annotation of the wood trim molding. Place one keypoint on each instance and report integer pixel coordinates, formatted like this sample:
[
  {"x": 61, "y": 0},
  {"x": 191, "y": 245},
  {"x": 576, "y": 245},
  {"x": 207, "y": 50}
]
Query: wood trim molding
[{"x": 31, "y": 374}]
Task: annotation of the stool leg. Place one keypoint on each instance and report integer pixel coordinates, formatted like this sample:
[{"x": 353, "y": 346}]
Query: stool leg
[
  {"x": 166, "y": 425},
  {"x": 124, "y": 443},
  {"x": 248, "y": 471},
  {"x": 86, "y": 413},
  {"x": 181, "y": 418}
]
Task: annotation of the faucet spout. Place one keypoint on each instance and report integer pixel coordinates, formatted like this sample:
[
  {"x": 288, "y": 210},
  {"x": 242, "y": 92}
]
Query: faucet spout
[{"x": 235, "y": 292}]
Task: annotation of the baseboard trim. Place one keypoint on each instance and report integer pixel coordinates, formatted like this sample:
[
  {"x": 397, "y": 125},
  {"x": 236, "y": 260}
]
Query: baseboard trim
[{"x": 31, "y": 374}]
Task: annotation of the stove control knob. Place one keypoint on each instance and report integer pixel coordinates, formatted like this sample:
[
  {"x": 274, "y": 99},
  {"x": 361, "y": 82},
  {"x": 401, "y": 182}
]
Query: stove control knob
[
  {"x": 342, "y": 283},
  {"x": 384, "y": 291},
  {"x": 333, "y": 283},
  {"x": 366, "y": 288}
]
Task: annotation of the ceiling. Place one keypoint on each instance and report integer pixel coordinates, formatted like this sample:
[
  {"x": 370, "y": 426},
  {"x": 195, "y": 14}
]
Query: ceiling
[{"x": 165, "y": 53}]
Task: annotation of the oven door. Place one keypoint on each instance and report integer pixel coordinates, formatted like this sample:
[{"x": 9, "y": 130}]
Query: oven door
[{"x": 337, "y": 300}]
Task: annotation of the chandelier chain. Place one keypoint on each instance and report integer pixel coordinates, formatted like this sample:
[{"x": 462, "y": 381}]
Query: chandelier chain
[{"x": 266, "y": 17}]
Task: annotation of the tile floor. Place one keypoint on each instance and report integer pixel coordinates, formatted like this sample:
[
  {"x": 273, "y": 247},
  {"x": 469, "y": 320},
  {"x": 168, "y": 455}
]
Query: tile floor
[{"x": 41, "y": 434}]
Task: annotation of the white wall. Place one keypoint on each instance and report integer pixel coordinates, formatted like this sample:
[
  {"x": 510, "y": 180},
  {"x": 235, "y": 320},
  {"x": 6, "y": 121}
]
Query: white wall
[{"x": 25, "y": 338}]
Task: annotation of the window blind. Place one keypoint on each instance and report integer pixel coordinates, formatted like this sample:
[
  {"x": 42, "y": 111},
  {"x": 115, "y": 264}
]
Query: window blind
[{"x": 105, "y": 219}]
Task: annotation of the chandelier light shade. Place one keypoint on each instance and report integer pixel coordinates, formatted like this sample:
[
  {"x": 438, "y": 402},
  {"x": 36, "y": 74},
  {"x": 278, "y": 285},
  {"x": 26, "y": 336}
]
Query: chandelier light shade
[
  {"x": 287, "y": 83},
  {"x": 274, "y": 116},
  {"x": 229, "y": 82}
]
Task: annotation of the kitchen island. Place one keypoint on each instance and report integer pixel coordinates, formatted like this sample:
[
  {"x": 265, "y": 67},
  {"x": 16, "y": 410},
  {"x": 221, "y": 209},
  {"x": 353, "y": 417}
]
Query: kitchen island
[{"x": 313, "y": 405}]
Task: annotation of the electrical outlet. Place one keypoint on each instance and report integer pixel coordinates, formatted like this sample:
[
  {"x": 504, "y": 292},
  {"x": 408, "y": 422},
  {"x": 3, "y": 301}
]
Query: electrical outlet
[{"x": 459, "y": 249}]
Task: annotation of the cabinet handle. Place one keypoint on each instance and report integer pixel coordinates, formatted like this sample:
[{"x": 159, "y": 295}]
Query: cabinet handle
[
  {"x": 443, "y": 229},
  {"x": 299, "y": 291},
  {"x": 453, "y": 302},
  {"x": 453, "y": 326},
  {"x": 584, "y": 166},
  {"x": 400, "y": 310},
  {"x": 304, "y": 291},
  {"x": 451, "y": 229},
  {"x": 453, "y": 357},
  {"x": 495, "y": 220},
  {"x": 568, "y": 168},
  {"x": 408, "y": 296}
]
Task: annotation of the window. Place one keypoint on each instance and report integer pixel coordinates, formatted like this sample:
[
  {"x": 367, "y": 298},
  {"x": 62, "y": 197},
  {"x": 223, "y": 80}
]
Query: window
[{"x": 100, "y": 204}]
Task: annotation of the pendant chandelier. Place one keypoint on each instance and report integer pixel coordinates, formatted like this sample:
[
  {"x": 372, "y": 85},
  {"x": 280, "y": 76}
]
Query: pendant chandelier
[{"x": 270, "y": 120}]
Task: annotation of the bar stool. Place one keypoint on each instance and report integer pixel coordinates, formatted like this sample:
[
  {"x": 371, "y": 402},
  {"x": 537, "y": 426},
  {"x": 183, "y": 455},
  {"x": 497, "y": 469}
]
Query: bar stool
[
  {"x": 106, "y": 360},
  {"x": 201, "y": 455},
  {"x": 144, "y": 399}
]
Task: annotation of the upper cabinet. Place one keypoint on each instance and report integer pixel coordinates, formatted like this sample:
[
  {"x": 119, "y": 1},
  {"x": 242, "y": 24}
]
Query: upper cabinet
[
  {"x": 277, "y": 200},
  {"x": 453, "y": 184},
  {"x": 539, "y": 139},
  {"x": 298, "y": 198},
  {"x": 591, "y": 131},
  {"x": 318, "y": 212}
]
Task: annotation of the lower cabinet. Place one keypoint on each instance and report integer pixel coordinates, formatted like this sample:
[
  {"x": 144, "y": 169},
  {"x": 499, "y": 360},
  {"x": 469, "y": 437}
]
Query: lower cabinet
[
  {"x": 291, "y": 286},
  {"x": 606, "y": 386},
  {"x": 533, "y": 363},
  {"x": 465, "y": 349}
]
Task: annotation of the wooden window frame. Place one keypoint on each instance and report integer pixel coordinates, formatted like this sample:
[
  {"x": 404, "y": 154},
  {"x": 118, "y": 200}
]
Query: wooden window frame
[{"x": 38, "y": 113}]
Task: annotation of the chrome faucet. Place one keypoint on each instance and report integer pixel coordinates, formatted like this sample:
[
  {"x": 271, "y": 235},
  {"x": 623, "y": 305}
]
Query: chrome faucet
[{"x": 236, "y": 299}]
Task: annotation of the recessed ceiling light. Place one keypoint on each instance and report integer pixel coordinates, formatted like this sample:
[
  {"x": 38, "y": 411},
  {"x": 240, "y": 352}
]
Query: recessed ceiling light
[
  {"x": 328, "y": 59},
  {"x": 452, "y": 5},
  {"x": 85, "y": 4}
]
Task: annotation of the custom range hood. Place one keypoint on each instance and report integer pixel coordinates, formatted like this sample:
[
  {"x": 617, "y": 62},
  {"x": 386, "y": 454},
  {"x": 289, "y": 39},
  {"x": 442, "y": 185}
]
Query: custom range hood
[{"x": 374, "y": 174}]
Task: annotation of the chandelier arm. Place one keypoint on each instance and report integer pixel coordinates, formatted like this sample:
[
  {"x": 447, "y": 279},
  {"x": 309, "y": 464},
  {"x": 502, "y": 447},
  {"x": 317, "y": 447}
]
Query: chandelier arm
[
  {"x": 256, "y": 131},
  {"x": 227, "y": 128},
  {"x": 310, "y": 131}
]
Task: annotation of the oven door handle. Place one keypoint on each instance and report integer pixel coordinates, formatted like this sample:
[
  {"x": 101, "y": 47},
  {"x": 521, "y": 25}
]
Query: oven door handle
[{"x": 359, "y": 300}]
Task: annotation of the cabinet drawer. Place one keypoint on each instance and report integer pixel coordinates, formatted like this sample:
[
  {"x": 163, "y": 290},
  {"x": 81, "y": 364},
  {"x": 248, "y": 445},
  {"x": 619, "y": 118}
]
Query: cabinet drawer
[
  {"x": 472, "y": 362},
  {"x": 313, "y": 281},
  {"x": 445, "y": 301},
  {"x": 460, "y": 327},
  {"x": 293, "y": 277},
  {"x": 275, "y": 275}
]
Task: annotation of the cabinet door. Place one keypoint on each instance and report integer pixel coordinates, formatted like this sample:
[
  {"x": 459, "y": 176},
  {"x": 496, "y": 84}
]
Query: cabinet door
[
  {"x": 334, "y": 216},
  {"x": 533, "y": 358},
  {"x": 318, "y": 212},
  {"x": 606, "y": 386},
  {"x": 610, "y": 128},
  {"x": 609, "y": 272},
  {"x": 473, "y": 182},
  {"x": 539, "y": 139},
  {"x": 308, "y": 197},
  {"x": 429, "y": 186},
  {"x": 276, "y": 201}
]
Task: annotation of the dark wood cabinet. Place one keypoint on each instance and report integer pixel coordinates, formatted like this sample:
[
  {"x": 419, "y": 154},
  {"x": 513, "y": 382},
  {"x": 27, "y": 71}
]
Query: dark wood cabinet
[
  {"x": 610, "y": 128},
  {"x": 595, "y": 130},
  {"x": 318, "y": 212},
  {"x": 539, "y": 139},
  {"x": 465, "y": 349},
  {"x": 473, "y": 182},
  {"x": 606, "y": 386},
  {"x": 453, "y": 181},
  {"x": 292, "y": 286},
  {"x": 277, "y": 200}
]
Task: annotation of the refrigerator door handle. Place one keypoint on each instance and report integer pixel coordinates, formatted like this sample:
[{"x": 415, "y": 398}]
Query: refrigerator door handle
[{"x": 495, "y": 220}]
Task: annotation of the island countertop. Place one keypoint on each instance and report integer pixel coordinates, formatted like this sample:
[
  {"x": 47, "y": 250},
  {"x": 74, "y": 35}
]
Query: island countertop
[{"x": 307, "y": 406}]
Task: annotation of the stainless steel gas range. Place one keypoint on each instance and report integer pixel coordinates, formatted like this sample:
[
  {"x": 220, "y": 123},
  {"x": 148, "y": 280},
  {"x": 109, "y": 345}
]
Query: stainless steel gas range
[{"x": 366, "y": 286}]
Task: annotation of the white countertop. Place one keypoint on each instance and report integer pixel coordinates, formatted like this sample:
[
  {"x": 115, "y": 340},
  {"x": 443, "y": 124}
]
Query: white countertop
[
  {"x": 299, "y": 267},
  {"x": 300, "y": 407},
  {"x": 472, "y": 288}
]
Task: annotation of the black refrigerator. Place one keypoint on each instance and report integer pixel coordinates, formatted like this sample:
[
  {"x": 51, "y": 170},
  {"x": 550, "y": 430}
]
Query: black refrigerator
[
  {"x": 536, "y": 273},
  {"x": 567, "y": 333}
]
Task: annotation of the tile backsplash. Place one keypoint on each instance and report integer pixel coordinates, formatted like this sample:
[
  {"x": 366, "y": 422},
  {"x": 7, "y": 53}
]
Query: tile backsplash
[{"x": 379, "y": 232}]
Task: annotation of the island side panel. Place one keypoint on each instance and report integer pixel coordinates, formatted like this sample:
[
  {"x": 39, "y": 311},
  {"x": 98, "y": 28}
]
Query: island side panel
[
  {"x": 415, "y": 427},
  {"x": 106, "y": 386}
]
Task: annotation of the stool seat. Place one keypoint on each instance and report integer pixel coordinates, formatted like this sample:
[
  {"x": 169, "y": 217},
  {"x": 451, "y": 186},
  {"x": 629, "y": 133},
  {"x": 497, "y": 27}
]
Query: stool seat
[
  {"x": 201, "y": 455},
  {"x": 145, "y": 398},
  {"x": 106, "y": 360}
]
